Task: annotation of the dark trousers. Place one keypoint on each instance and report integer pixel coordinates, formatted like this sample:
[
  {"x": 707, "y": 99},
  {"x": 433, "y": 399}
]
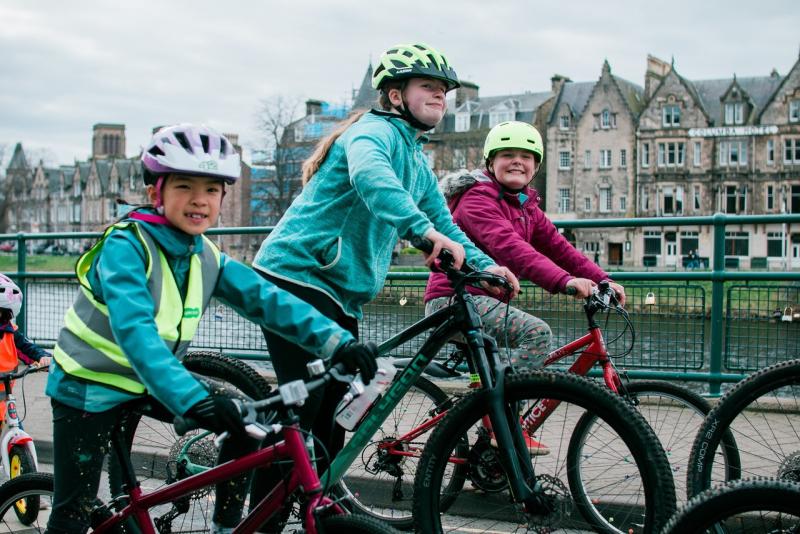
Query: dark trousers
[
  {"x": 289, "y": 362},
  {"x": 81, "y": 441}
]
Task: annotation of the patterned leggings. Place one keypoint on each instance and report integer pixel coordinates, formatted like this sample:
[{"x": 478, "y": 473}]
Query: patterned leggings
[{"x": 528, "y": 336}]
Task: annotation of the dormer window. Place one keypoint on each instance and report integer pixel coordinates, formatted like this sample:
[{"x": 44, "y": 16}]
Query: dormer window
[
  {"x": 563, "y": 122},
  {"x": 734, "y": 113},
  {"x": 462, "y": 122},
  {"x": 605, "y": 119},
  {"x": 671, "y": 116},
  {"x": 794, "y": 111}
]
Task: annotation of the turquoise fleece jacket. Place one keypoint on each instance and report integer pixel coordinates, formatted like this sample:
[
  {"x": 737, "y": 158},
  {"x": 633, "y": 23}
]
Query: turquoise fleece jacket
[
  {"x": 117, "y": 277},
  {"x": 338, "y": 234}
]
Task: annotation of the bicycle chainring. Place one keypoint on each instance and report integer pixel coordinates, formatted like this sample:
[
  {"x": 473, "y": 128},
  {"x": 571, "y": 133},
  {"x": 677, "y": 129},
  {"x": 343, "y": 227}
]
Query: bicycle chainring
[
  {"x": 485, "y": 471},
  {"x": 790, "y": 468}
]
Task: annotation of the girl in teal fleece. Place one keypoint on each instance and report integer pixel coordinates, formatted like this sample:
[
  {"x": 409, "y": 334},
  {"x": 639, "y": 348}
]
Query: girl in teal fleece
[
  {"x": 366, "y": 185},
  {"x": 133, "y": 319}
]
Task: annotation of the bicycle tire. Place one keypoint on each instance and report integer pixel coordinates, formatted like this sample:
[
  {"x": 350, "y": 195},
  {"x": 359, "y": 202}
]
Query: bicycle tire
[
  {"x": 636, "y": 448},
  {"x": 21, "y": 461},
  {"x": 762, "y": 413},
  {"x": 673, "y": 412},
  {"x": 355, "y": 524},
  {"x": 747, "y": 505},
  {"x": 157, "y": 437},
  {"x": 373, "y": 493},
  {"x": 33, "y": 485}
]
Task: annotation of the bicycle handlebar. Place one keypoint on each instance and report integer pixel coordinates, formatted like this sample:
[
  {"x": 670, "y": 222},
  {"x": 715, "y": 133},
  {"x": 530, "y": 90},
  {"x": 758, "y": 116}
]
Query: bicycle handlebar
[
  {"x": 13, "y": 375},
  {"x": 468, "y": 272}
]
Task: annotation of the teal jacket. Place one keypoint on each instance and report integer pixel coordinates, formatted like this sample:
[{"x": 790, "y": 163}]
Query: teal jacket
[
  {"x": 338, "y": 234},
  {"x": 117, "y": 277}
]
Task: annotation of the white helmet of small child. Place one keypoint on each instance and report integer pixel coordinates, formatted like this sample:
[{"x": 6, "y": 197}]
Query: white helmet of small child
[{"x": 10, "y": 295}]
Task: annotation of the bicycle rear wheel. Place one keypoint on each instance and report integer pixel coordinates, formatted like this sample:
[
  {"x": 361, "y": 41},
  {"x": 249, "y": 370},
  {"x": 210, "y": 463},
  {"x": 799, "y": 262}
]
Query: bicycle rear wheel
[
  {"x": 629, "y": 482},
  {"x": 762, "y": 412},
  {"x": 761, "y": 505},
  {"x": 26, "y": 487},
  {"x": 355, "y": 524},
  {"x": 381, "y": 482}
]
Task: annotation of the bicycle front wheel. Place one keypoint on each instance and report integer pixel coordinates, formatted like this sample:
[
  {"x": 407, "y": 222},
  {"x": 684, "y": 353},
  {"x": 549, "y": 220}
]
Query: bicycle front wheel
[
  {"x": 760, "y": 505},
  {"x": 21, "y": 461},
  {"x": 355, "y": 524},
  {"x": 762, "y": 412},
  {"x": 630, "y": 482},
  {"x": 26, "y": 487},
  {"x": 380, "y": 482},
  {"x": 673, "y": 412}
]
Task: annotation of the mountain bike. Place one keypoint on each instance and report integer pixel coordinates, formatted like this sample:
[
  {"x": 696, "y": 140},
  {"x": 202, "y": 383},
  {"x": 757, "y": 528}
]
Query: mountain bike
[
  {"x": 748, "y": 505},
  {"x": 17, "y": 450},
  {"x": 762, "y": 412},
  {"x": 141, "y": 510}
]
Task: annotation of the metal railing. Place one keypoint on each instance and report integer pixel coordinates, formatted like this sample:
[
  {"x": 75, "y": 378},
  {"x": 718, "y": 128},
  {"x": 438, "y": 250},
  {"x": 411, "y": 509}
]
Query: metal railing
[{"x": 749, "y": 324}]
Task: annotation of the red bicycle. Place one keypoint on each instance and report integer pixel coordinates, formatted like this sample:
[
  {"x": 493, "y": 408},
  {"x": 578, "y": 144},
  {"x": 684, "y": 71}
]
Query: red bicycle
[{"x": 166, "y": 509}]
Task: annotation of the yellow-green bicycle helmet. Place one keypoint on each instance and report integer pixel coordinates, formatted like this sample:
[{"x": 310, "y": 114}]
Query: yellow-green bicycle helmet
[
  {"x": 413, "y": 61},
  {"x": 514, "y": 134}
]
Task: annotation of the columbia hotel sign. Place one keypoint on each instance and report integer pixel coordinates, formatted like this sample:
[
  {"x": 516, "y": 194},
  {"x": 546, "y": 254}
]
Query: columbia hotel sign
[{"x": 733, "y": 131}]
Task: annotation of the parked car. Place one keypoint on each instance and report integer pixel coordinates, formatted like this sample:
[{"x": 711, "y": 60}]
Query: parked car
[{"x": 8, "y": 246}]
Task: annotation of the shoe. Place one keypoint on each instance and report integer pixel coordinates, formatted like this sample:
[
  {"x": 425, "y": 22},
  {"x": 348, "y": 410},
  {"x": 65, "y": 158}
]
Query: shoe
[{"x": 535, "y": 448}]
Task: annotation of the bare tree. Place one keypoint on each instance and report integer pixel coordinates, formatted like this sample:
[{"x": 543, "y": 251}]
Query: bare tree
[{"x": 275, "y": 115}]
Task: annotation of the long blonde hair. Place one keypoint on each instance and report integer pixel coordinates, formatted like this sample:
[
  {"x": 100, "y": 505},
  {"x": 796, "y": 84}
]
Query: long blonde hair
[{"x": 317, "y": 158}]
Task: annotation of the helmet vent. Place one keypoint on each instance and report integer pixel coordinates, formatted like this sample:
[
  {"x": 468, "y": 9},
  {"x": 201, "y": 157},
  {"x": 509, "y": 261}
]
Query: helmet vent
[
  {"x": 223, "y": 146},
  {"x": 505, "y": 139},
  {"x": 181, "y": 137},
  {"x": 156, "y": 151},
  {"x": 204, "y": 140}
]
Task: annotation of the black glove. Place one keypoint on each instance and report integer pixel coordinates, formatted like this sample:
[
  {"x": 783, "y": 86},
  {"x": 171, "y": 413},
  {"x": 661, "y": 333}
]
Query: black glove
[
  {"x": 359, "y": 357},
  {"x": 218, "y": 413}
]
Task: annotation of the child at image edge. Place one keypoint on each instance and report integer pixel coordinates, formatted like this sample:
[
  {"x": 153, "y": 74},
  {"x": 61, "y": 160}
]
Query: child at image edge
[{"x": 144, "y": 286}]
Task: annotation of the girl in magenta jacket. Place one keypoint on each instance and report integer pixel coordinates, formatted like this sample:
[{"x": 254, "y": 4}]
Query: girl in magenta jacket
[{"x": 501, "y": 214}]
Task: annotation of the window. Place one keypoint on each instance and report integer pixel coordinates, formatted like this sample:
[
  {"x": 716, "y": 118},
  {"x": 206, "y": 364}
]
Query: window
[
  {"x": 794, "y": 111},
  {"x": 791, "y": 150},
  {"x": 605, "y": 119},
  {"x": 652, "y": 242},
  {"x": 462, "y": 122},
  {"x": 696, "y": 198},
  {"x": 623, "y": 204},
  {"x": 496, "y": 117},
  {"x": 563, "y": 200},
  {"x": 734, "y": 113},
  {"x": 563, "y": 160},
  {"x": 459, "y": 158},
  {"x": 737, "y": 243},
  {"x": 671, "y": 116},
  {"x": 623, "y": 158},
  {"x": 563, "y": 122},
  {"x": 770, "y": 198},
  {"x": 605, "y": 199},
  {"x": 770, "y": 151},
  {"x": 730, "y": 199},
  {"x": 591, "y": 246},
  {"x": 587, "y": 159},
  {"x": 697, "y": 154},
  {"x": 775, "y": 244},
  {"x": 689, "y": 242},
  {"x": 732, "y": 153},
  {"x": 605, "y": 159},
  {"x": 645, "y": 199},
  {"x": 645, "y": 154},
  {"x": 587, "y": 204},
  {"x": 795, "y": 200},
  {"x": 670, "y": 154},
  {"x": 673, "y": 200}
]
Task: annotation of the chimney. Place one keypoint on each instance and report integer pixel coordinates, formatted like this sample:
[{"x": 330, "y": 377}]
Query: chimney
[
  {"x": 313, "y": 107},
  {"x": 657, "y": 69},
  {"x": 557, "y": 82},
  {"x": 468, "y": 91}
]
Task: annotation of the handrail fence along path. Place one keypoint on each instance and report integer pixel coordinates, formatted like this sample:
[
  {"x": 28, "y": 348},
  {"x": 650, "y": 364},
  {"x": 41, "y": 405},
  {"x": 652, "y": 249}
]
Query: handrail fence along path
[{"x": 753, "y": 319}]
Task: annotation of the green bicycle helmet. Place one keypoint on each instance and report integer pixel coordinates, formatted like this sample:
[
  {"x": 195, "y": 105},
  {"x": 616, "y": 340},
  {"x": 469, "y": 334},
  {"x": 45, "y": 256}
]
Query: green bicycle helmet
[
  {"x": 413, "y": 61},
  {"x": 514, "y": 134}
]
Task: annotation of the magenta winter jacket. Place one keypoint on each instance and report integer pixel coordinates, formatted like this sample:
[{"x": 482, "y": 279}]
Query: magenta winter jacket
[{"x": 517, "y": 235}]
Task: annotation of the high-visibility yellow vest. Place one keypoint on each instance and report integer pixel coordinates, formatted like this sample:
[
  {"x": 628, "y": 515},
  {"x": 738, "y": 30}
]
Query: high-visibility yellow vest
[{"x": 86, "y": 347}]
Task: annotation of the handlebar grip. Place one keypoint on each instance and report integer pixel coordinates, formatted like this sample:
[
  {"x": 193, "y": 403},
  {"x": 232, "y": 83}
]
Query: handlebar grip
[
  {"x": 422, "y": 243},
  {"x": 184, "y": 424},
  {"x": 571, "y": 291}
]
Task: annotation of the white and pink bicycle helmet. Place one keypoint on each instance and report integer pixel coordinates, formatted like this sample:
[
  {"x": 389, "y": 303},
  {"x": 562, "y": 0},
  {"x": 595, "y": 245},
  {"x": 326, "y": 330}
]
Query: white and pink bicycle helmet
[
  {"x": 190, "y": 149},
  {"x": 10, "y": 295}
]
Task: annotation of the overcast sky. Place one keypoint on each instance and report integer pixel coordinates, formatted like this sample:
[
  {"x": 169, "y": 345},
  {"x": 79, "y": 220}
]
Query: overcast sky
[{"x": 68, "y": 65}]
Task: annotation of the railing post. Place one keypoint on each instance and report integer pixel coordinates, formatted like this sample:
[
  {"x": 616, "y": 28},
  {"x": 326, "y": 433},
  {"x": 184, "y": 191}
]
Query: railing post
[
  {"x": 717, "y": 294},
  {"x": 21, "y": 260}
]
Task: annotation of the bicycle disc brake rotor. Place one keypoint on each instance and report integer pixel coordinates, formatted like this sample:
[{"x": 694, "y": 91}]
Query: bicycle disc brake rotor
[
  {"x": 790, "y": 468},
  {"x": 557, "y": 499},
  {"x": 201, "y": 452},
  {"x": 485, "y": 471}
]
